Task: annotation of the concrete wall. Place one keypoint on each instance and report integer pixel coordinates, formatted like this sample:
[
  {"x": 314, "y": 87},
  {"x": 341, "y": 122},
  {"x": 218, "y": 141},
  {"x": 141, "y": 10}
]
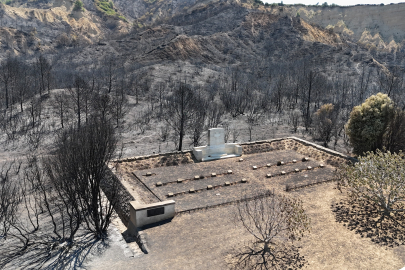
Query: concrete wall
[
  {"x": 202, "y": 152},
  {"x": 145, "y": 214},
  {"x": 168, "y": 154}
]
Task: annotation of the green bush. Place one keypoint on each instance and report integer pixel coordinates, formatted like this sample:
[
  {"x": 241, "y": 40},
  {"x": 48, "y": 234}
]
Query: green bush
[
  {"x": 368, "y": 122},
  {"x": 377, "y": 178},
  {"x": 123, "y": 18},
  {"x": 78, "y": 5},
  {"x": 324, "y": 123},
  {"x": 106, "y": 7}
]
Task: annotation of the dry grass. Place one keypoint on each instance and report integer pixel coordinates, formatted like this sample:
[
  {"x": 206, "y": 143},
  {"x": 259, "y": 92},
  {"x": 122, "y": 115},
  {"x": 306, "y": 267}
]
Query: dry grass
[{"x": 332, "y": 245}]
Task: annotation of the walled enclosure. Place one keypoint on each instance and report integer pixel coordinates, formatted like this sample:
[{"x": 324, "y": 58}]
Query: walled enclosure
[{"x": 142, "y": 163}]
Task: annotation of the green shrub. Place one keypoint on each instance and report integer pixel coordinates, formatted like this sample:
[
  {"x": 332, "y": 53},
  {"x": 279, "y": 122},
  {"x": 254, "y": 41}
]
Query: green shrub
[
  {"x": 324, "y": 123},
  {"x": 377, "y": 178},
  {"x": 123, "y": 18},
  {"x": 78, "y": 5},
  {"x": 106, "y": 7},
  {"x": 368, "y": 123}
]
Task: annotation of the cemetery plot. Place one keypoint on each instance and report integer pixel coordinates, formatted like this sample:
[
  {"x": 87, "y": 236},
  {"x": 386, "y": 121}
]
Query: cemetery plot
[{"x": 207, "y": 184}]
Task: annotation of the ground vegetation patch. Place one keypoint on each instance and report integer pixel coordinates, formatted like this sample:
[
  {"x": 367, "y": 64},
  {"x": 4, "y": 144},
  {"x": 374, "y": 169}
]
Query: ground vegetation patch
[{"x": 362, "y": 217}]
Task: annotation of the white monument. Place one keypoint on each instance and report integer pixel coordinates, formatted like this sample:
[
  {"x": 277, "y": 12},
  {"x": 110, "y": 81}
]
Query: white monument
[{"x": 217, "y": 148}]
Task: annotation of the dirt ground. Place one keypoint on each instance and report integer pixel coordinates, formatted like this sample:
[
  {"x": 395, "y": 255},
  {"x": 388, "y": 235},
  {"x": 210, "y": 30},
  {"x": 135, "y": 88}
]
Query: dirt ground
[{"x": 202, "y": 240}]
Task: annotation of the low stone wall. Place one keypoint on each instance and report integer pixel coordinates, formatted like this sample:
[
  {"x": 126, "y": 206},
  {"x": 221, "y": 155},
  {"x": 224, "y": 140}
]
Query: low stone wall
[
  {"x": 303, "y": 147},
  {"x": 159, "y": 160},
  {"x": 124, "y": 198},
  {"x": 324, "y": 149},
  {"x": 290, "y": 143}
]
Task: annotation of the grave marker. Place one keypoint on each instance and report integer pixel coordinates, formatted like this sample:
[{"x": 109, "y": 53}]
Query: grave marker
[{"x": 217, "y": 148}]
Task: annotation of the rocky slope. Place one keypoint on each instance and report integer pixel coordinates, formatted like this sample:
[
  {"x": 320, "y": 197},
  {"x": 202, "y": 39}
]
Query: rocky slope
[
  {"x": 230, "y": 36},
  {"x": 207, "y": 41},
  {"x": 377, "y": 26},
  {"x": 380, "y": 26},
  {"x": 30, "y": 27},
  {"x": 209, "y": 32},
  {"x": 383, "y": 26}
]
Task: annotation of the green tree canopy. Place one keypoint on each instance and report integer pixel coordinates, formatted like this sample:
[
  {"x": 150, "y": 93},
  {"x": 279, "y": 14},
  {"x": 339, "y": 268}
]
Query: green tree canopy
[
  {"x": 368, "y": 123},
  {"x": 78, "y": 5}
]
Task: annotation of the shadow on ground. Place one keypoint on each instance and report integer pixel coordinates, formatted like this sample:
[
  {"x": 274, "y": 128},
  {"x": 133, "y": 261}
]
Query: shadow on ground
[
  {"x": 48, "y": 254},
  {"x": 365, "y": 219},
  {"x": 253, "y": 256}
]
